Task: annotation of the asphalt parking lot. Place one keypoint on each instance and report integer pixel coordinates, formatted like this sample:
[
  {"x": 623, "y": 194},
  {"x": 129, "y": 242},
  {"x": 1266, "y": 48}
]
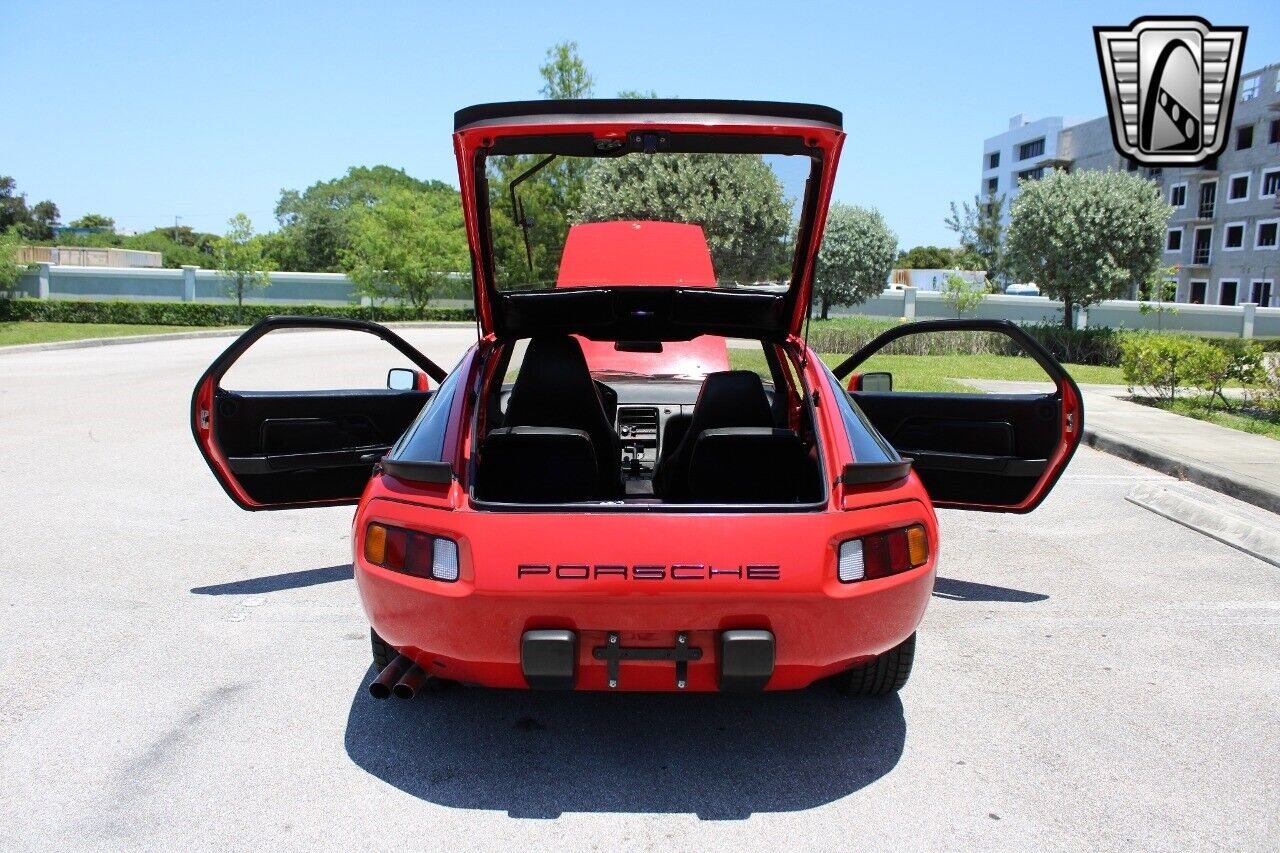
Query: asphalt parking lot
[{"x": 179, "y": 674}]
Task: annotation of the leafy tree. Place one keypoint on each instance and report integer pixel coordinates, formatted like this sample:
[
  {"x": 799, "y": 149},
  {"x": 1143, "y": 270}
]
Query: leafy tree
[
  {"x": 564, "y": 74},
  {"x": 13, "y": 204},
  {"x": 547, "y": 196},
  {"x": 44, "y": 216},
  {"x": 10, "y": 269},
  {"x": 736, "y": 198},
  {"x": 1086, "y": 236},
  {"x": 94, "y": 220},
  {"x": 241, "y": 261},
  {"x": 927, "y": 258},
  {"x": 406, "y": 245},
  {"x": 980, "y": 231},
  {"x": 856, "y": 257},
  {"x": 967, "y": 259},
  {"x": 193, "y": 247},
  {"x": 315, "y": 224},
  {"x": 962, "y": 294}
]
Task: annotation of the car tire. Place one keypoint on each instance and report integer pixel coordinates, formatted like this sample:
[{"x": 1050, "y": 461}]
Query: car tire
[
  {"x": 384, "y": 653},
  {"x": 884, "y": 676}
]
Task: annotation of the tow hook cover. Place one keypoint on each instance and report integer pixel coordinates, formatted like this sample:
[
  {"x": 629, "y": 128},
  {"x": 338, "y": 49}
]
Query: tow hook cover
[
  {"x": 548, "y": 659},
  {"x": 746, "y": 660}
]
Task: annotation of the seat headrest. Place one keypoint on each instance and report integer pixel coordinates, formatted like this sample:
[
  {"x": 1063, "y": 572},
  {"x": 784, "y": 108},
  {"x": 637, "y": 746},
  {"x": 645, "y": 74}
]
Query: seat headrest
[
  {"x": 554, "y": 386},
  {"x": 731, "y": 398}
]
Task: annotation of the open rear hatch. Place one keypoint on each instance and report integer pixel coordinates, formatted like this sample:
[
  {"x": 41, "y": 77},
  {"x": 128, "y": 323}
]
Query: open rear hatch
[{"x": 530, "y": 170}]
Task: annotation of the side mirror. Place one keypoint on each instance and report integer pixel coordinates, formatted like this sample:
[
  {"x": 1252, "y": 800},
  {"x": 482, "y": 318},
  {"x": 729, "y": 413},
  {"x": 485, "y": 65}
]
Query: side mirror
[
  {"x": 404, "y": 379},
  {"x": 876, "y": 381}
]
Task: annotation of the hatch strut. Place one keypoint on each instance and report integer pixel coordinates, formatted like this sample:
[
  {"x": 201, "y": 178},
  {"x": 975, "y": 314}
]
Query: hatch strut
[{"x": 517, "y": 206}]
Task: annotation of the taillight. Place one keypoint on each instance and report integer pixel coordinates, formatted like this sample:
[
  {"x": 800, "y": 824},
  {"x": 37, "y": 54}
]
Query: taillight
[
  {"x": 882, "y": 554},
  {"x": 419, "y": 554}
]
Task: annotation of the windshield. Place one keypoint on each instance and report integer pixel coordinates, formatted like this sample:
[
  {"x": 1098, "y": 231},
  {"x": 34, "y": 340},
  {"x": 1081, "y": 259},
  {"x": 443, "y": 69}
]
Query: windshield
[{"x": 667, "y": 219}]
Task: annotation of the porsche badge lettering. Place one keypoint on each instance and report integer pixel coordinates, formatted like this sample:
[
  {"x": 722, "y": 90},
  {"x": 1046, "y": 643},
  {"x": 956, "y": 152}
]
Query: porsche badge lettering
[{"x": 648, "y": 571}]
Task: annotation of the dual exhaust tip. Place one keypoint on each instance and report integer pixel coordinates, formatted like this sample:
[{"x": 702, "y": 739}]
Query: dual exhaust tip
[{"x": 402, "y": 678}]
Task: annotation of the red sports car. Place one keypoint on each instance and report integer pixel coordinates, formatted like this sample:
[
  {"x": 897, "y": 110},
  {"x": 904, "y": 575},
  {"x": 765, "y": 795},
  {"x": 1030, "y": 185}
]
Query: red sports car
[{"x": 532, "y": 523}]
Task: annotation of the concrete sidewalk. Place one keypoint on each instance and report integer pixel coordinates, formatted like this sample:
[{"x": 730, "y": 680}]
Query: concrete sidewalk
[{"x": 1239, "y": 464}]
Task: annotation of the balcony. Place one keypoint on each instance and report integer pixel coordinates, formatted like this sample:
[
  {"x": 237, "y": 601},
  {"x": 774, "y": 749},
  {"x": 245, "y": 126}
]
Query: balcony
[
  {"x": 1201, "y": 257},
  {"x": 1206, "y": 210}
]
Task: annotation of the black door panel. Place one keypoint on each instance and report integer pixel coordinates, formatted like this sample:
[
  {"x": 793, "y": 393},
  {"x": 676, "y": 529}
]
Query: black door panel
[
  {"x": 974, "y": 450},
  {"x": 280, "y": 449},
  {"x": 323, "y": 443}
]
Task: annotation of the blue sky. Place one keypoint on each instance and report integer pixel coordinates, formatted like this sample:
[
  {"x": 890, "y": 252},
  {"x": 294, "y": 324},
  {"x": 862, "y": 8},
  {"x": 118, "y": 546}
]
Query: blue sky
[{"x": 147, "y": 111}]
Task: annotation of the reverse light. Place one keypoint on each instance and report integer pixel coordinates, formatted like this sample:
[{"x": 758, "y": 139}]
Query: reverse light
[
  {"x": 883, "y": 554},
  {"x": 411, "y": 552}
]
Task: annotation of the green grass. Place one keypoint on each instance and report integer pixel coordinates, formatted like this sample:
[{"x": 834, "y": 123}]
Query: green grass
[
  {"x": 40, "y": 333},
  {"x": 940, "y": 372},
  {"x": 1258, "y": 424}
]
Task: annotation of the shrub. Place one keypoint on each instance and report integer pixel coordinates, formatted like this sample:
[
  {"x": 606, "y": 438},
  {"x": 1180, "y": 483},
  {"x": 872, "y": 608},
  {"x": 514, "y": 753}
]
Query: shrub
[
  {"x": 846, "y": 334},
  {"x": 1240, "y": 361},
  {"x": 1096, "y": 346},
  {"x": 1161, "y": 364},
  {"x": 201, "y": 313}
]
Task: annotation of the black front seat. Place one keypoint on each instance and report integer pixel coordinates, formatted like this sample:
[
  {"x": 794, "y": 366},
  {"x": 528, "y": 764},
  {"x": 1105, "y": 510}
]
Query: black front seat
[
  {"x": 731, "y": 398},
  {"x": 554, "y": 389}
]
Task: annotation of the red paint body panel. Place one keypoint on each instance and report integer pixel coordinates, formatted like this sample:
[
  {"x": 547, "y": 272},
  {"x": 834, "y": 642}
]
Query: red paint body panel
[
  {"x": 621, "y": 254},
  {"x": 608, "y": 254},
  {"x": 470, "y": 630}
]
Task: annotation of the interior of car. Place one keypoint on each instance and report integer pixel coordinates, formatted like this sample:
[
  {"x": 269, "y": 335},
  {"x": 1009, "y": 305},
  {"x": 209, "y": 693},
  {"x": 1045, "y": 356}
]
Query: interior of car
[{"x": 559, "y": 435}]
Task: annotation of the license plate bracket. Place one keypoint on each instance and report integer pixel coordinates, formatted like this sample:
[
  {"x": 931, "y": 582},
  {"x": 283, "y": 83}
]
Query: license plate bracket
[{"x": 613, "y": 653}]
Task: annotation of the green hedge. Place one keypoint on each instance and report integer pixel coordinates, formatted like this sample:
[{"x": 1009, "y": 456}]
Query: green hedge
[{"x": 201, "y": 314}]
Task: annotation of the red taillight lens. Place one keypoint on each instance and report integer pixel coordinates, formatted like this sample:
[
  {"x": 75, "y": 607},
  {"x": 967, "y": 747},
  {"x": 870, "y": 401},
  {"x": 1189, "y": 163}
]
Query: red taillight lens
[
  {"x": 411, "y": 552},
  {"x": 883, "y": 554}
]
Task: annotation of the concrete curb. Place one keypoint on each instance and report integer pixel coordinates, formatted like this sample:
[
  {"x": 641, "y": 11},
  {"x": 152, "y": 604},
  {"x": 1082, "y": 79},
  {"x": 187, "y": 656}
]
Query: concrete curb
[
  {"x": 85, "y": 343},
  {"x": 1214, "y": 521},
  {"x": 1182, "y": 469}
]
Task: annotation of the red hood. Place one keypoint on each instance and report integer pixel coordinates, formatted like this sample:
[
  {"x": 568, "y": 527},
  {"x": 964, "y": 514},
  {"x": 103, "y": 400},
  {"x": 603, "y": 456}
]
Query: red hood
[
  {"x": 609, "y": 254},
  {"x": 657, "y": 253}
]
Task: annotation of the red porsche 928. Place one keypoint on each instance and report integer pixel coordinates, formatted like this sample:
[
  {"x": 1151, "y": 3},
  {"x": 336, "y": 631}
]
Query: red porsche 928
[{"x": 593, "y": 498}]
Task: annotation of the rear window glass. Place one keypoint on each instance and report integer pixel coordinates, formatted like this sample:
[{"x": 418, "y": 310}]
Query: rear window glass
[
  {"x": 424, "y": 440},
  {"x": 664, "y": 219},
  {"x": 866, "y": 443}
]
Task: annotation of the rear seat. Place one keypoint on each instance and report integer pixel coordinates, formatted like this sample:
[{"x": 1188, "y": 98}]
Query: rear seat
[{"x": 752, "y": 465}]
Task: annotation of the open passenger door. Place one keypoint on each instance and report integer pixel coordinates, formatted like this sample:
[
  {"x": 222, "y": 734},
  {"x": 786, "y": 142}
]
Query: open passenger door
[
  {"x": 977, "y": 442},
  {"x": 316, "y": 440}
]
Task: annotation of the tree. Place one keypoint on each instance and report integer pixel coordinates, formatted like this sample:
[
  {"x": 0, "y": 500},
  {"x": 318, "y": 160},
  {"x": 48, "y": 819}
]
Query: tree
[
  {"x": 44, "y": 217},
  {"x": 927, "y": 258},
  {"x": 10, "y": 269},
  {"x": 241, "y": 261},
  {"x": 13, "y": 204},
  {"x": 980, "y": 231},
  {"x": 857, "y": 255},
  {"x": 94, "y": 220},
  {"x": 406, "y": 245},
  {"x": 564, "y": 74},
  {"x": 963, "y": 295},
  {"x": 1086, "y": 236},
  {"x": 1162, "y": 287},
  {"x": 736, "y": 198},
  {"x": 315, "y": 224}
]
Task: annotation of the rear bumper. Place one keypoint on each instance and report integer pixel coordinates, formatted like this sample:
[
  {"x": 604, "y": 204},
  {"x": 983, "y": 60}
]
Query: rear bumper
[{"x": 473, "y": 630}]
